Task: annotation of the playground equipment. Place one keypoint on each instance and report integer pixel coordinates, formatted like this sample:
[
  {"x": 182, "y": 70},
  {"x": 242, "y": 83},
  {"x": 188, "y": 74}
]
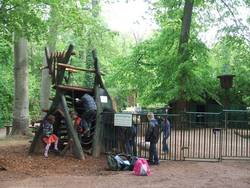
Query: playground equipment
[{"x": 65, "y": 99}]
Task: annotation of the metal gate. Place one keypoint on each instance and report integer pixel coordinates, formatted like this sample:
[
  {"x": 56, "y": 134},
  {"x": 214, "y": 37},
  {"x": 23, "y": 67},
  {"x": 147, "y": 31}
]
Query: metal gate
[
  {"x": 202, "y": 137},
  {"x": 193, "y": 136},
  {"x": 236, "y": 134}
]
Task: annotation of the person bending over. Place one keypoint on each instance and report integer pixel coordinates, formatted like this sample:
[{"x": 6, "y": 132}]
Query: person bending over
[{"x": 89, "y": 112}]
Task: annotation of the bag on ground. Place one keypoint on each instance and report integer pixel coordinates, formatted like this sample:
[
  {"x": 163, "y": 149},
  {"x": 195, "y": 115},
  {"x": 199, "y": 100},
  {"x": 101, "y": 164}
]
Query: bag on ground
[
  {"x": 141, "y": 167},
  {"x": 118, "y": 162}
]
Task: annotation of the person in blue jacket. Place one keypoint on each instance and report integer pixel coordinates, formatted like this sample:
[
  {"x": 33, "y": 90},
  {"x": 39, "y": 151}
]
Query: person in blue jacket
[{"x": 166, "y": 133}]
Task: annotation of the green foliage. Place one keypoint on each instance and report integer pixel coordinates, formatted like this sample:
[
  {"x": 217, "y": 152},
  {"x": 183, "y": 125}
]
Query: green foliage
[
  {"x": 234, "y": 52},
  {"x": 23, "y": 18},
  {"x": 6, "y": 92},
  {"x": 154, "y": 69},
  {"x": 151, "y": 68}
]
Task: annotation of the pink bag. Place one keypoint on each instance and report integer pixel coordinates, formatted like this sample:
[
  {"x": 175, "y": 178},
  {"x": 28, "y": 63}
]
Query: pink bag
[{"x": 141, "y": 167}]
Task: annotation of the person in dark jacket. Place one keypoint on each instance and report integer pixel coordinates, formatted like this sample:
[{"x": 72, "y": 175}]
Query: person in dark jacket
[
  {"x": 153, "y": 136},
  {"x": 166, "y": 133},
  {"x": 89, "y": 111}
]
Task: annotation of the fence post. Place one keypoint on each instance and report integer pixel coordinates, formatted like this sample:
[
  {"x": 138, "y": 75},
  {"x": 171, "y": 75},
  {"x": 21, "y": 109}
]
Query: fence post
[
  {"x": 225, "y": 119},
  {"x": 220, "y": 146}
]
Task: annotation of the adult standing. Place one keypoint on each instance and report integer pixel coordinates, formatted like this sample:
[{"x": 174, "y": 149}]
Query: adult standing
[
  {"x": 152, "y": 135},
  {"x": 166, "y": 133}
]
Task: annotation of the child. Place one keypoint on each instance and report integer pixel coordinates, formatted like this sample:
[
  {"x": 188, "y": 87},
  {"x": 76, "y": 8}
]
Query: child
[
  {"x": 48, "y": 136},
  {"x": 77, "y": 121}
]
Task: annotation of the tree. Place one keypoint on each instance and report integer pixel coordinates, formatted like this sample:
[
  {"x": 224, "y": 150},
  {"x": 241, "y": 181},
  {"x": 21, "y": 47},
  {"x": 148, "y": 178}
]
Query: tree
[
  {"x": 46, "y": 79},
  {"x": 183, "y": 49},
  {"x": 174, "y": 65},
  {"x": 21, "y": 102},
  {"x": 233, "y": 52},
  {"x": 24, "y": 19}
]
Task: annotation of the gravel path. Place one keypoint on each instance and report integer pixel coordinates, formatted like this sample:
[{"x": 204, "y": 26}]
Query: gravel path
[{"x": 35, "y": 171}]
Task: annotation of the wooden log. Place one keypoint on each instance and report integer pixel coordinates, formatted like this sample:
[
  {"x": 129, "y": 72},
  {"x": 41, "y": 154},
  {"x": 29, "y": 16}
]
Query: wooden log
[
  {"x": 97, "y": 145},
  {"x": 98, "y": 137},
  {"x": 63, "y": 60},
  {"x": 71, "y": 70},
  {"x": 44, "y": 67},
  {"x": 70, "y": 67},
  {"x": 77, "y": 148},
  {"x": 98, "y": 78},
  {"x": 75, "y": 88}
]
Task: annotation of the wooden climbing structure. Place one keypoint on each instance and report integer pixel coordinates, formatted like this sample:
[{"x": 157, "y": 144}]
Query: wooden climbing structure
[{"x": 65, "y": 100}]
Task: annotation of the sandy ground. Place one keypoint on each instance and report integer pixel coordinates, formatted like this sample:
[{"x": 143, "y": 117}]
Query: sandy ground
[{"x": 36, "y": 171}]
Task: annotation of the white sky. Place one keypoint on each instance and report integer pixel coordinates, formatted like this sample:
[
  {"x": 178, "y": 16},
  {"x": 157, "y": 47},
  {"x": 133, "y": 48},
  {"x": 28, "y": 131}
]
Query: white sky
[{"x": 131, "y": 17}]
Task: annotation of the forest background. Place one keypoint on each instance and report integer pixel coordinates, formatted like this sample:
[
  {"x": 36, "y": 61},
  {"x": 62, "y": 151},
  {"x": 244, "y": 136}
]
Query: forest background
[{"x": 159, "y": 69}]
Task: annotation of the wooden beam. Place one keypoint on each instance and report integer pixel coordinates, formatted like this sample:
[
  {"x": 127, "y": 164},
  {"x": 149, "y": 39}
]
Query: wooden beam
[
  {"x": 75, "y": 88},
  {"x": 97, "y": 145},
  {"x": 71, "y": 70},
  {"x": 63, "y": 58},
  {"x": 98, "y": 137},
  {"x": 77, "y": 148},
  {"x": 70, "y": 67}
]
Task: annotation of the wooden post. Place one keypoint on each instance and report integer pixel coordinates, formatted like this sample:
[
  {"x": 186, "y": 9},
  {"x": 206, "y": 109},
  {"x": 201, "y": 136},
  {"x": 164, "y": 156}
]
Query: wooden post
[
  {"x": 77, "y": 148},
  {"x": 97, "y": 145}
]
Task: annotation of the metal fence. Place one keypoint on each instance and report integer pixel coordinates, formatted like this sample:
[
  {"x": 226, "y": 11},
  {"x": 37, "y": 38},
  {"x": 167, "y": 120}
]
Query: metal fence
[
  {"x": 236, "y": 134},
  {"x": 193, "y": 136}
]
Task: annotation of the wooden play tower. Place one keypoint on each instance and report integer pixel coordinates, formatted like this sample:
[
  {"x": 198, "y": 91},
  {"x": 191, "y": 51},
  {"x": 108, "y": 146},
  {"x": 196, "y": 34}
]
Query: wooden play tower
[{"x": 65, "y": 99}]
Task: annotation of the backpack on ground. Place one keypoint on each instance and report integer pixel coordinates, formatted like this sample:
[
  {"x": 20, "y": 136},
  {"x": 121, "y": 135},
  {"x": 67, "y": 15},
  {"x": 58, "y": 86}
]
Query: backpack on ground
[
  {"x": 112, "y": 162},
  {"x": 118, "y": 162},
  {"x": 141, "y": 167}
]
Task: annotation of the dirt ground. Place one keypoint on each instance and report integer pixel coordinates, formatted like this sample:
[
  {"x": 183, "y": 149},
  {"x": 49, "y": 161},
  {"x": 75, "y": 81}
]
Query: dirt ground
[{"x": 36, "y": 171}]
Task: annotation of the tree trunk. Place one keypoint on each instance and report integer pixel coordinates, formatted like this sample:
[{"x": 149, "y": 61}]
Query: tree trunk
[
  {"x": 46, "y": 78},
  {"x": 89, "y": 78},
  {"x": 21, "y": 100},
  {"x": 183, "y": 49},
  {"x": 185, "y": 28},
  {"x": 45, "y": 88}
]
